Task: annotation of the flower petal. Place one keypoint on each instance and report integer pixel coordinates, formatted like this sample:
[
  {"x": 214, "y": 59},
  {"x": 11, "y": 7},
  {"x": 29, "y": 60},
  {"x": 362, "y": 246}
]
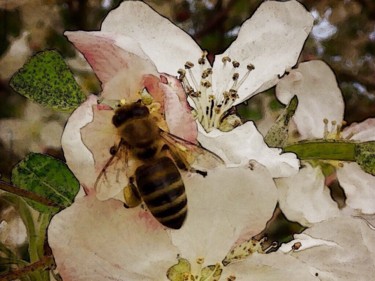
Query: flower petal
[
  {"x": 364, "y": 131},
  {"x": 222, "y": 206},
  {"x": 177, "y": 110},
  {"x": 271, "y": 40},
  {"x": 270, "y": 267},
  {"x": 304, "y": 198},
  {"x": 358, "y": 187},
  {"x": 110, "y": 56},
  {"x": 245, "y": 143},
  {"x": 167, "y": 45},
  {"x": 95, "y": 240},
  {"x": 352, "y": 259},
  {"x": 319, "y": 97},
  {"x": 99, "y": 136},
  {"x": 78, "y": 157}
]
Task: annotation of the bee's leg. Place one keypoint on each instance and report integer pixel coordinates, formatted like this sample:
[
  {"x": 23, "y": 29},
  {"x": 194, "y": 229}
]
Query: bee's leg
[
  {"x": 182, "y": 163},
  {"x": 131, "y": 195}
]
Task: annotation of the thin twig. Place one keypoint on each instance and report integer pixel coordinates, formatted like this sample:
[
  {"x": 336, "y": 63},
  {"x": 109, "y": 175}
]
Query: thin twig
[{"x": 47, "y": 262}]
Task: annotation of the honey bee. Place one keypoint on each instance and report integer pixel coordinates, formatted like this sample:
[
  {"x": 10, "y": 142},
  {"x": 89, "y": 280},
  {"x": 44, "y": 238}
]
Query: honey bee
[{"x": 159, "y": 158}]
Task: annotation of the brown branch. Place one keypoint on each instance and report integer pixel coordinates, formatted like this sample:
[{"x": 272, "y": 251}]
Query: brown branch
[
  {"x": 47, "y": 262},
  {"x": 28, "y": 194}
]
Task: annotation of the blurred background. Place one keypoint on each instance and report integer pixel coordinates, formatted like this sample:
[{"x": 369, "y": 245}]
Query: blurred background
[{"x": 343, "y": 36}]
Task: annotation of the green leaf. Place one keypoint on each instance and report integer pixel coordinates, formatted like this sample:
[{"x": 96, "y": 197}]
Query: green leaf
[
  {"x": 277, "y": 135},
  {"x": 365, "y": 156},
  {"x": 47, "y": 80},
  {"x": 47, "y": 177}
]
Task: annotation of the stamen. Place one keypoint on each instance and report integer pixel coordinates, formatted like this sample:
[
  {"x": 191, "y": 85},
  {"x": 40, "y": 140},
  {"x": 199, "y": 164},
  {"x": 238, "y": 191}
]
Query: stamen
[
  {"x": 235, "y": 64},
  {"x": 212, "y": 107},
  {"x": 325, "y": 133},
  {"x": 206, "y": 84},
  {"x": 225, "y": 60},
  {"x": 231, "y": 278},
  {"x": 250, "y": 68},
  {"x": 189, "y": 65},
  {"x": 182, "y": 74}
]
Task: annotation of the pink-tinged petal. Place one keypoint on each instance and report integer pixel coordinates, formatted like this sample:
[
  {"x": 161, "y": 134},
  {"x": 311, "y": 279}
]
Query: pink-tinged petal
[
  {"x": 352, "y": 259},
  {"x": 151, "y": 83},
  {"x": 167, "y": 45},
  {"x": 77, "y": 155},
  {"x": 304, "y": 198},
  {"x": 110, "y": 54},
  {"x": 222, "y": 206},
  {"x": 95, "y": 240},
  {"x": 177, "y": 110},
  {"x": 271, "y": 40},
  {"x": 245, "y": 143},
  {"x": 319, "y": 97},
  {"x": 364, "y": 131},
  {"x": 99, "y": 136},
  {"x": 359, "y": 188}
]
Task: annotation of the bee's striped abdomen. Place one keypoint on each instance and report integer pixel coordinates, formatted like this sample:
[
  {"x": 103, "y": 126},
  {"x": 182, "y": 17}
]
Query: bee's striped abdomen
[{"x": 163, "y": 191}]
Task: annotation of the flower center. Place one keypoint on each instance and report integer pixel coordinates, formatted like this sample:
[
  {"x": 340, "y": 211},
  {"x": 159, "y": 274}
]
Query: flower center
[
  {"x": 185, "y": 271},
  {"x": 335, "y": 132},
  {"x": 211, "y": 108}
]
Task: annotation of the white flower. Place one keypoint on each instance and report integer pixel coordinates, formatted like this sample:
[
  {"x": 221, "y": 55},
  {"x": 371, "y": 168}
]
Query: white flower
[
  {"x": 101, "y": 240},
  {"x": 304, "y": 197},
  {"x": 135, "y": 39}
]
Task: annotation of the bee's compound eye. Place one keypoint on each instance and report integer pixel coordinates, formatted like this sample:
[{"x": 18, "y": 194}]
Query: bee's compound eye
[
  {"x": 116, "y": 120},
  {"x": 140, "y": 111},
  {"x": 113, "y": 150}
]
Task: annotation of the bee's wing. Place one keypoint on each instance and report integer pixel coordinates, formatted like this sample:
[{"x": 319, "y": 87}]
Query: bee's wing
[
  {"x": 193, "y": 155},
  {"x": 113, "y": 176}
]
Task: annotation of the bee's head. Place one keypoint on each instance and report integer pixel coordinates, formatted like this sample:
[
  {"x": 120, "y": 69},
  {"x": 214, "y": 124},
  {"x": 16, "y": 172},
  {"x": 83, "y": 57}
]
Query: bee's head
[{"x": 129, "y": 112}]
